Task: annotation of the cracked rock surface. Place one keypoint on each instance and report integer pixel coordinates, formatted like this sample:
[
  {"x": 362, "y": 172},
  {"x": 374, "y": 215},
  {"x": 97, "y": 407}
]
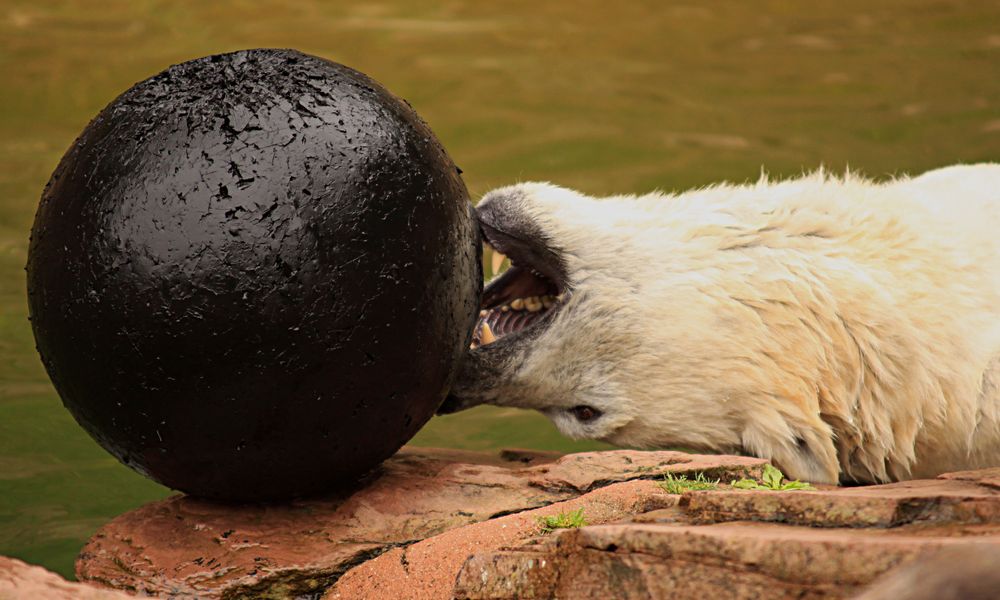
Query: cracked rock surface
[
  {"x": 186, "y": 547},
  {"x": 454, "y": 524},
  {"x": 828, "y": 543}
]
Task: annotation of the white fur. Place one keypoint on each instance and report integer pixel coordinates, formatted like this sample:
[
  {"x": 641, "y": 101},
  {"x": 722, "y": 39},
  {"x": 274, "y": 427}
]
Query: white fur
[{"x": 842, "y": 328}]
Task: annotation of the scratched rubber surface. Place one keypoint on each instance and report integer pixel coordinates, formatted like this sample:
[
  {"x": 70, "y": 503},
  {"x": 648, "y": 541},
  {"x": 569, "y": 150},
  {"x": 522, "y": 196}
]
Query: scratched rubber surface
[{"x": 253, "y": 274}]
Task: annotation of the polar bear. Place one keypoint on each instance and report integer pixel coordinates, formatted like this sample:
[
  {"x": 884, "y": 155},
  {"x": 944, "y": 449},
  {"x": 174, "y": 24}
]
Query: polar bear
[{"x": 844, "y": 329}]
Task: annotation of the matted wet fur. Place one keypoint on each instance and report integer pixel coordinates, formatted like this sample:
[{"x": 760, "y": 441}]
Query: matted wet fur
[{"x": 845, "y": 329}]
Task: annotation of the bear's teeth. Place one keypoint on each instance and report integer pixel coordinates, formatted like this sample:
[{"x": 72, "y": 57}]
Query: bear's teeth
[
  {"x": 532, "y": 303},
  {"x": 486, "y": 335}
]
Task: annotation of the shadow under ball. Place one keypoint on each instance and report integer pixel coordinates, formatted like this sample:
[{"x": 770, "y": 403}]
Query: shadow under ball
[{"x": 253, "y": 275}]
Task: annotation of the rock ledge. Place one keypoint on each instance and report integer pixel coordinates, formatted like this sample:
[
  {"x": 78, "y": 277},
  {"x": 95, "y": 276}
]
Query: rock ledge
[
  {"x": 184, "y": 547},
  {"x": 452, "y": 524}
]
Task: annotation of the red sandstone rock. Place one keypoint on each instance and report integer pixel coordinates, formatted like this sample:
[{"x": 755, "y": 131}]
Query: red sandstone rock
[
  {"x": 426, "y": 570},
  {"x": 187, "y": 547},
  {"x": 21, "y": 581},
  {"x": 409, "y": 532},
  {"x": 945, "y": 499},
  {"x": 726, "y": 560},
  {"x": 855, "y": 536}
]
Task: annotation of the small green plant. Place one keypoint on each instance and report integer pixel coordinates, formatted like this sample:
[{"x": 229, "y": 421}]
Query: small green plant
[
  {"x": 681, "y": 483},
  {"x": 773, "y": 480},
  {"x": 563, "y": 520}
]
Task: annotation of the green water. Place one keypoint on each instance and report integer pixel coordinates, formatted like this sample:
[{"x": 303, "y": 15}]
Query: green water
[{"x": 602, "y": 96}]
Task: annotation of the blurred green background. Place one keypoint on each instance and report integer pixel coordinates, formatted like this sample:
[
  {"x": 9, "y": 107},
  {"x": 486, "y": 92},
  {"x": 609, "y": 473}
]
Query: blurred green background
[{"x": 602, "y": 96}]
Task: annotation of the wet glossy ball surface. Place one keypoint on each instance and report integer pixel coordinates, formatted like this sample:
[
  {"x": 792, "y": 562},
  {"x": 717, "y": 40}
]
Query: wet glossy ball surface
[{"x": 253, "y": 275}]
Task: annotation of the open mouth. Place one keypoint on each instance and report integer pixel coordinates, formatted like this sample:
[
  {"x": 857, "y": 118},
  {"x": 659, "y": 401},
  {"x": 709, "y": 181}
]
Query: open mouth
[{"x": 526, "y": 294}]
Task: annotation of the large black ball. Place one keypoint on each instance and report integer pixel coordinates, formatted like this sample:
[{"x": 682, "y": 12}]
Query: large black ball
[{"x": 253, "y": 275}]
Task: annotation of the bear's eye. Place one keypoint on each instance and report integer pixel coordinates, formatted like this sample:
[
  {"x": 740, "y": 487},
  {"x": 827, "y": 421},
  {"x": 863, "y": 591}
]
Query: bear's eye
[{"x": 585, "y": 413}]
